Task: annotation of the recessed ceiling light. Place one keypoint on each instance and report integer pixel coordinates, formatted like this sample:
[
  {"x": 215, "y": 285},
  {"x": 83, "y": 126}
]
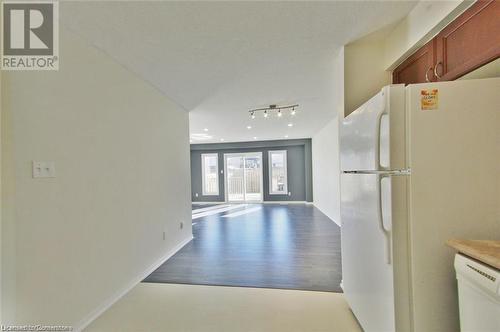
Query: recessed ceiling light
[
  {"x": 249, "y": 127},
  {"x": 222, "y": 140},
  {"x": 206, "y": 129},
  {"x": 200, "y": 137},
  {"x": 255, "y": 138},
  {"x": 290, "y": 125},
  {"x": 286, "y": 136}
]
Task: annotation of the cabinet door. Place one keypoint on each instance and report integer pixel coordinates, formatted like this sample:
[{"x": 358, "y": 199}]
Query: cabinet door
[
  {"x": 418, "y": 68},
  {"x": 470, "y": 41}
]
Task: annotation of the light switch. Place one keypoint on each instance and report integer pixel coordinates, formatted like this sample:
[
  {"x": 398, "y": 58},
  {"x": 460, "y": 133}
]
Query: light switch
[{"x": 44, "y": 169}]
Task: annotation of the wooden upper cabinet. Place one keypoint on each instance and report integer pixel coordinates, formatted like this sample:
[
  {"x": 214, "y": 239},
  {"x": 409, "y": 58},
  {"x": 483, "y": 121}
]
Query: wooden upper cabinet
[
  {"x": 418, "y": 67},
  {"x": 470, "y": 41}
]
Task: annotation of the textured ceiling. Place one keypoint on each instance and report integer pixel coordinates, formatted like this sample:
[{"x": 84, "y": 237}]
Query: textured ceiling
[{"x": 218, "y": 59}]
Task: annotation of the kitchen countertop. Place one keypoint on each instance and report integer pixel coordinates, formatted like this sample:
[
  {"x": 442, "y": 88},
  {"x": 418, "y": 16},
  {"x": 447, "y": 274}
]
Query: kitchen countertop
[{"x": 484, "y": 251}]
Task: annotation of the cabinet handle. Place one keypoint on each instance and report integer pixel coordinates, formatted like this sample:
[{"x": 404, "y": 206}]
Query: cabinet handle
[
  {"x": 435, "y": 69},
  {"x": 427, "y": 75}
]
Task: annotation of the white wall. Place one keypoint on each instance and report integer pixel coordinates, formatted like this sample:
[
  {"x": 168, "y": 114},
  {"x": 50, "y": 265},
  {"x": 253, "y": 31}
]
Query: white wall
[
  {"x": 364, "y": 72},
  {"x": 8, "y": 235},
  {"x": 121, "y": 151},
  {"x": 326, "y": 180},
  {"x": 325, "y": 151},
  {"x": 1, "y": 200}
]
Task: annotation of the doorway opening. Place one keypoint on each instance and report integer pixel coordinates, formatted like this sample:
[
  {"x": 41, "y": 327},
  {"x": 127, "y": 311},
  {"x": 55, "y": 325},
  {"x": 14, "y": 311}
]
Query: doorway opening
[{"x": 243, "y": 177}]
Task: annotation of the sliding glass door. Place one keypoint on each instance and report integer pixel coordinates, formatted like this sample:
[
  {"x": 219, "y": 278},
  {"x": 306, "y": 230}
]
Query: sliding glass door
[{"x": 243, "y": 177}]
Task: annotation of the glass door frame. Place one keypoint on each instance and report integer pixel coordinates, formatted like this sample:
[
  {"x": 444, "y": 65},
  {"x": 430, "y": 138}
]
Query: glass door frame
[{"x": 244, "y": 155}]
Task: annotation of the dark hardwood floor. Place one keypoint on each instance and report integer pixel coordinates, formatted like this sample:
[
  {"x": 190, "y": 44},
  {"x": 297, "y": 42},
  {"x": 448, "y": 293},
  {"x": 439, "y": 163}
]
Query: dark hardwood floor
[{"x": 272, "y": 246}]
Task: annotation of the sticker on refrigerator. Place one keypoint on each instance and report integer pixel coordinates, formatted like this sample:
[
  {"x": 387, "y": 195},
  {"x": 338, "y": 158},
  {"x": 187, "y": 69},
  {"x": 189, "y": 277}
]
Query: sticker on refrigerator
[{"x": 429, "y": 99}]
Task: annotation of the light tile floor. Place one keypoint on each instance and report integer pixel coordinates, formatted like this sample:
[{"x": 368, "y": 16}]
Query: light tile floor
[{"x": 194, "y": 308}]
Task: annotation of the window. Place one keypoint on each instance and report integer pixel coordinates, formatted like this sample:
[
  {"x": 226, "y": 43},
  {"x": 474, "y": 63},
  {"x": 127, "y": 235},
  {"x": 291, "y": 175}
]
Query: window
[
  {"x": 277, "y": 173},
  {"x": 210, "y": 174}
]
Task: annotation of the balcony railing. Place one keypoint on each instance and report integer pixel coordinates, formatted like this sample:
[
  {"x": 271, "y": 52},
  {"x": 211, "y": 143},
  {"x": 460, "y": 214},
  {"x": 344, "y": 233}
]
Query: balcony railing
[
  {"x": 211, "y": 184},
  {"x": 236, "y": 184}
]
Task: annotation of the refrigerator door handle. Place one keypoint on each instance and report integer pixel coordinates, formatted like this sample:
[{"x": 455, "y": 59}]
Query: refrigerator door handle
[
  {"x": 387, "y": 233},
  {"x": 377, "y": 148}
]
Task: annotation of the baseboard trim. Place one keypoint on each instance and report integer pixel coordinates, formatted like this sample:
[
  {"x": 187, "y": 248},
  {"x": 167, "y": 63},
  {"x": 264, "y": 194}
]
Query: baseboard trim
[
  {"x": 206, "y": 203},
  {"x": 263, "y": 202},
  {"x": 119, "y": 294},
  {"x": 284, "y": 202}
]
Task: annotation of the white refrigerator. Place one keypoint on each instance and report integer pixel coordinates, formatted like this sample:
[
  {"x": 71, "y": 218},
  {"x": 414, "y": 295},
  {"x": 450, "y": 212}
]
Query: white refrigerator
[{"x": 420, "y": 165}]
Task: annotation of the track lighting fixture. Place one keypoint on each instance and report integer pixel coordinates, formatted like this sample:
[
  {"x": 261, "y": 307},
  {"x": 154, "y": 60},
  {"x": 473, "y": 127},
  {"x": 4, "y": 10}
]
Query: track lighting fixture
[{"x": 274, "y": 108}]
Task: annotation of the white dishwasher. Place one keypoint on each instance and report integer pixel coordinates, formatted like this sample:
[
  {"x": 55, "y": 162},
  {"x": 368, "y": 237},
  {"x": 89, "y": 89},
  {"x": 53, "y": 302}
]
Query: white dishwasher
[{"x": 478, "y": 295}]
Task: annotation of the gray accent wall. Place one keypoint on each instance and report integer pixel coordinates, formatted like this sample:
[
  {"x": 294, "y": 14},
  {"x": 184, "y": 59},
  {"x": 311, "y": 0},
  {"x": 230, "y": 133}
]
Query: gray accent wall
[{"x": 299, "y": 167}]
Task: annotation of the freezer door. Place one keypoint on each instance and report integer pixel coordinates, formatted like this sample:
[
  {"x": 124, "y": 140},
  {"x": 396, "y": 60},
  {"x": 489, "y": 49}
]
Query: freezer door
[
  {"x": 372, "y": 138},
  {"x": 367, "y": 267}
]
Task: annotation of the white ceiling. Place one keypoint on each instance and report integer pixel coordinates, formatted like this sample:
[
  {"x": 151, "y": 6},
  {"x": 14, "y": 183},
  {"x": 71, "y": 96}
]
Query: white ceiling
[{"x": 219, "y": 59}]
